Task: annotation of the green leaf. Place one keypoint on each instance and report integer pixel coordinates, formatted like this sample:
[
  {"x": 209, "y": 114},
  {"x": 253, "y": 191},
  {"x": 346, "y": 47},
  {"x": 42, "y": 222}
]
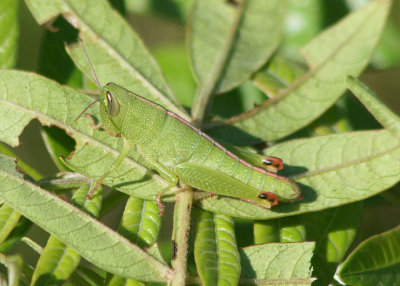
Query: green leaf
[
  {"x": 91, "y": 206},
  {"x": 277, "y": 263},
  {"x": 155, "y": 251},
  {"x": 88, "y": 276},
  {"x": 375, "y": 261},
  {"x": 94, "y": 241},
  {"x": 230, "y": 41},
  {"x": 344, "y": 49},
  {"x": 44, "y": 10},
  {"x": 215, "y": 251},
  {"x": 290, "y": 229},
  {"x": 16, "y": 235},
  {"x": 119, "y": 57},
  {"x": 8, "y": 220},
  {"x": 331, "y": 170},
  {"x": 56, "y": 263},
  {"x": 24, "y": 96},
  {"x": 294, "y": 231},
  {"x": 380, "y": 111},
  {"x": 266, "y": 231},
  {"x": 8, "y": 33},
  {"x": 119, "y": 281},
  {"x": 334, "y": 231},
  {"x": 141, "y": 222}
]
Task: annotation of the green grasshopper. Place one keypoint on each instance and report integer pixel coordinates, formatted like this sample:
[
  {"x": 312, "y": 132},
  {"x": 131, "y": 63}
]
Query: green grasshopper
[{"x": 181, "y": 153}]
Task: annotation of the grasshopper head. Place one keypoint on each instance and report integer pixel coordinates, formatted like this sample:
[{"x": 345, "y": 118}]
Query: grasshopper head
[
  {"x": 127, "y": 114},
  {"x": 112, "y": 107},
  {"x": 112, "y": 98}
]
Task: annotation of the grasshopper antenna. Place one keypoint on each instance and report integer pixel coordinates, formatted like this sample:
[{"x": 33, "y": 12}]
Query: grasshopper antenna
[
  {"x": 91, "y": 66},
  {"x": 95, "y": 78},
  {"x": 86, "y": 108}
]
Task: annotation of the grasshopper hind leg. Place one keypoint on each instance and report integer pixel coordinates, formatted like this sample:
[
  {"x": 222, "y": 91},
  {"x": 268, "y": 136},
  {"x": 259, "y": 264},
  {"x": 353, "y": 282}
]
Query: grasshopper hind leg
[{"x": 216, "y": 182}]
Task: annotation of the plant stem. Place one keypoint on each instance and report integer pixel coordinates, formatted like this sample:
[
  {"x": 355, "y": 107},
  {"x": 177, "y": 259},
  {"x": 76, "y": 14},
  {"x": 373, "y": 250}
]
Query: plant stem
[{"x": 180, "y": 235}]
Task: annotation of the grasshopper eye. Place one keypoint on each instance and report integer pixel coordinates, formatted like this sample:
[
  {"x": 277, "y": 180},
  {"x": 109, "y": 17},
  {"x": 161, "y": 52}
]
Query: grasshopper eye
[
  {"x": 112, "y": 105},
  {"x": 272, "y": 198}
]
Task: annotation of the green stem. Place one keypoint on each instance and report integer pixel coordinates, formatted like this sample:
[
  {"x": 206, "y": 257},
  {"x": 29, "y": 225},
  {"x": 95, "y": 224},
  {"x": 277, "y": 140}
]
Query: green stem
[{"x": 180, "y": 235}]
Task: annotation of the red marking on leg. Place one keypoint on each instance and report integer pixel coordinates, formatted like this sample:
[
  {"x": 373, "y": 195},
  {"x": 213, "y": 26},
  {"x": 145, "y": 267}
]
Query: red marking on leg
[
  {"x": 272, "y": 198},
  {"x": 211, "y": 195},
  {"x": 273, "y": 161}
]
